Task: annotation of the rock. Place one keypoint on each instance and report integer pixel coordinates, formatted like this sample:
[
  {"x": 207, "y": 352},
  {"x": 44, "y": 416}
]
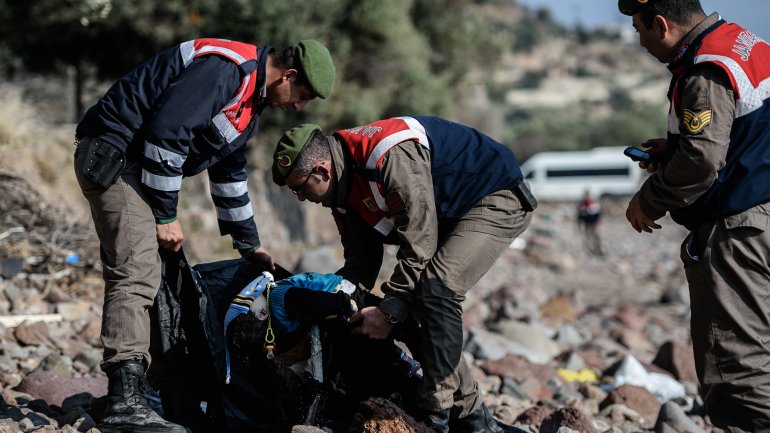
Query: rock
[
  {"x": 484, "y": 344},
  {"x": 569, "y": 417},
  {"x": 56, "y": 364},
  {"x": 533, "y": 416},
  {"x": 636, "y": 398},
  {"x": 677, "y": 359},
  {"x": 90, "y": 357},
  {"x": 631, "y": 317},
  {"x": 559, "y": 308},
  {"x": 377, "y": 415},
  {"x": 568, "y": 335},
  {"x": 679, "y": 294},
  {"x": 636, "y": 342},
  {"x": 13, "y": 350},
  {"x": 672, "y": 419},
  {"x": 540, "y": 347},
  {"x": 33, "y": 334},
  {"x": 9, "y": 426},
  {"x": 593, "y": 392},
  {"x": 306, "y": 429},
  {"x": 77, "y": 310},
  {"x": 518, "y": 368},
  {"x": 54, "y": 389}
]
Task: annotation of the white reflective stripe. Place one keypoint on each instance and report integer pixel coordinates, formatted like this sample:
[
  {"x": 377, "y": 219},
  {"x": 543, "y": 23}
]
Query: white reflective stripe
[
  {"x": 235, "y": 214},
  {"x": 751, "y": 98},
  {"x": 417, "y": 127},
  {"x": 390, "y": 141},
  {"x": 163, "y": 156},
  {"x": 232, "y": 189},
  {"x": 223, "y": 51},
  {"x": 238, "y": 97},
  {"x": 673, "y": 121},
  {"x": 378, "y": 198},
  {"x": 187, "y": 51},
  {"x": 385, "y": 226},
  {"x": 226, "y": 128},
  {"x": 161, "y": 183}
]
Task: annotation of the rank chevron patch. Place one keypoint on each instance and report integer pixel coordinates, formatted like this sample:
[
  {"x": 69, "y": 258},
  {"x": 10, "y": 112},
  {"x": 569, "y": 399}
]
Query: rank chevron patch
[{"x": 695, "y": 122}]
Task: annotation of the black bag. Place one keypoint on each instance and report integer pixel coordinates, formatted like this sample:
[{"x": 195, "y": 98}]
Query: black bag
[
  {"x": 189, "y": 313},
  {"x": 104, "y": 163}
]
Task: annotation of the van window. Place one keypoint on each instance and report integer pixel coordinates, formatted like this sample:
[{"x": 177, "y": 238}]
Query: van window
[
  {"x": 587, "y": 172},
  {"x": 529, "y": 175}
]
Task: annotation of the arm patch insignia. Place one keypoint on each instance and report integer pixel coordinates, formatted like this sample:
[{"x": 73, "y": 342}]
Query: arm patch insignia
[{"x": 695, "y": 122}]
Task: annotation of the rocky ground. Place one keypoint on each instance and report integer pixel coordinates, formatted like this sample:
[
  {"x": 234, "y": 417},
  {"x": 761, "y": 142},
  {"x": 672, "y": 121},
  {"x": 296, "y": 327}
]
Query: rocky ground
[{"x": 559, "y": 339}]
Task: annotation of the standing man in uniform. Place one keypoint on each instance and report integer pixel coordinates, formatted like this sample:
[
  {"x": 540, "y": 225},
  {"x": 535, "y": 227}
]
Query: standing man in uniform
[
  {"x": 712, "y": 177},
  {"x": 185, "y": 110},
  {"x": 451, "y": 198}
]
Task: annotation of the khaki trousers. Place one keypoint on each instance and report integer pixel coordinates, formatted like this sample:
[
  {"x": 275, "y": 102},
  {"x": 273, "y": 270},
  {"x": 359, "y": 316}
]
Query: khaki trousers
[
  {"x": 727, "y": 263},
  {"x": 466, "y": 251},
  {"x": 131, "y": 264}
]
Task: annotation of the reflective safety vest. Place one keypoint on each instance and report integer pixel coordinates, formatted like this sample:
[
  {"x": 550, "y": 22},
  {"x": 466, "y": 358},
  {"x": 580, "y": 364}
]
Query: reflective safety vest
[
  {"x": 233, "y": 119},
  {"x": 742, "y": 183},
  {"x": 466, "y": 165}
]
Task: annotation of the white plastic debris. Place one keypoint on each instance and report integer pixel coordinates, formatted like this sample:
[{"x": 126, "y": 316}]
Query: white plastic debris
[{"x": 664, "y": 387}]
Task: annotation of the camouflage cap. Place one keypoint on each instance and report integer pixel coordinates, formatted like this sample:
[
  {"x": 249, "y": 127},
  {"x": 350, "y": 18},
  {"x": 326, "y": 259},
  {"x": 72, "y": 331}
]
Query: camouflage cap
[
  {"x": 289, "y": 147},
  {"x": 631, "y": 7},
  {"x": 317, "y": 66}
]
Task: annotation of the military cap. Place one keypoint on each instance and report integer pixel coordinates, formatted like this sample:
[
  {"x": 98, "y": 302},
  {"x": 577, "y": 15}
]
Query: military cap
[
  {"x": 631, "y": 7},
  {"x": 289, "y": 147},
  {"x": 317, "y": 66}
]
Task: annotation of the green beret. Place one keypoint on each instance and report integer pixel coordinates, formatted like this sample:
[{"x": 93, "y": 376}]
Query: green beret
[
  {"x": 317, "y": 66},
  {"x": 631, "y": 7},
  {"x": 288, "y": 149}
]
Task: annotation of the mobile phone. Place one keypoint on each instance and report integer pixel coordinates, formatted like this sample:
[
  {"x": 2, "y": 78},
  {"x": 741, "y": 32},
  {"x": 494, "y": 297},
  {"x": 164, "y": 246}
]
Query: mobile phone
[{"x": 639, "y": 155}]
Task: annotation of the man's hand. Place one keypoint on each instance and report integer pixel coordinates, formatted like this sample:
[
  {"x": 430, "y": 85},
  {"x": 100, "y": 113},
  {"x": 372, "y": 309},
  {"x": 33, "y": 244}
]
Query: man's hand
[
  {"x": 374, "y": 323},
  {"x": 262, "y": 255},
  {"x": 639, "y": 221},
  {"x": 170, "y": 235},
  {"x": 657, "y": 147}
]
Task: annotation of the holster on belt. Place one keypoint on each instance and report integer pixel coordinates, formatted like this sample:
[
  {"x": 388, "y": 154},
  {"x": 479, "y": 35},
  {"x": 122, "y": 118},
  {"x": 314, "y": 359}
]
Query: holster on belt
[
  {"x": 104, "y": 163},
  {"x": 523, "y": 193}
]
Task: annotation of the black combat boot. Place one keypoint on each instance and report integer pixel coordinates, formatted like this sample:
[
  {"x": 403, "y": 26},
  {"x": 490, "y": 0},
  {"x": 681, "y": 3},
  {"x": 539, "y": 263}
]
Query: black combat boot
[
  {"x": 127, "y": 410},
  {"x": 480, "y": 421},
  {"x": 438, "y": 421}
]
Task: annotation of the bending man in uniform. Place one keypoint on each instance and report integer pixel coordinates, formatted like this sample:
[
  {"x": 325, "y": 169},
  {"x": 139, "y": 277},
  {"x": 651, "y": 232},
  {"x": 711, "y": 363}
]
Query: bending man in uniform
[
  {"x": 451, "y": 198},
  {"x": 185, "y": 110},
  {"x": 712, "y": 178}
]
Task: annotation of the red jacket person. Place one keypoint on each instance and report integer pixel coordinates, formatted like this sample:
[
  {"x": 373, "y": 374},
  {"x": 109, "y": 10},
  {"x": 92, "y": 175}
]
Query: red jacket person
[
  {"x": 451, "y": 198},
  {"x": 185, "y": 110}
]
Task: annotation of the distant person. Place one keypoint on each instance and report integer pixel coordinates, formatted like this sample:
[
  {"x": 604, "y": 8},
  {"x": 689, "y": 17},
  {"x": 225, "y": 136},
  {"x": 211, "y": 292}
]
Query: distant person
[
  {"x": 451, "y": 198},
  {"x": 712, "y": 176},
  {"x": 188, "y": 109},
  {"x": 589, "y": 215}
]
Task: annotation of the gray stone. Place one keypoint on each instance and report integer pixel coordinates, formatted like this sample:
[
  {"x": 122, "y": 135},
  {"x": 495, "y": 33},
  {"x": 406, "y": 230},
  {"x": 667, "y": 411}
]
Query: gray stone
[
  {"x": 90, "y": 357},
  {"x": 540, "y": 347},
  {"x": 56, "y": 364},
  {"x": 672, "y": 419}
]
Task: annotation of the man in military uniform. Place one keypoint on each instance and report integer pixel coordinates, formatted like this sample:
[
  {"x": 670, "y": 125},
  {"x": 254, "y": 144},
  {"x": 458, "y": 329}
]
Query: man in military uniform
[
  {"x": 451, "y": 198},
  {"x": 711, "y": 175},
  {"x": 185, "y": 110}
]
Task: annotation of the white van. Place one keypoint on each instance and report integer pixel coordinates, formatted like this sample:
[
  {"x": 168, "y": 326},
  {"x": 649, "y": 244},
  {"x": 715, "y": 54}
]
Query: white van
[{"x": 566, "y": 176}]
